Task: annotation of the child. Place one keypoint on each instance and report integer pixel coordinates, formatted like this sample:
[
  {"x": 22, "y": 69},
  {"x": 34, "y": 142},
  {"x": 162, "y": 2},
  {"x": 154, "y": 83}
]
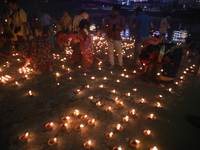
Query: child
[{"x": 86, "y": 44}]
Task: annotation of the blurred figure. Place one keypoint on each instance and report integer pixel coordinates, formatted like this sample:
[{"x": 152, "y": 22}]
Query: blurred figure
[
  {"x": 66, "y": 21},
  {"x": 58, "y": 25},
  {"x": 44, "y": 18},
  {"x": 143, "y": 23},
  {"x": 113, "y": 25},
  {"x": 20, "y": 25},
  {"x": 77, "y": 19},
  {"x": 7, "y": 16},
  {"x": 164, "y": 25},
  {"x": 86, "y": 45}
]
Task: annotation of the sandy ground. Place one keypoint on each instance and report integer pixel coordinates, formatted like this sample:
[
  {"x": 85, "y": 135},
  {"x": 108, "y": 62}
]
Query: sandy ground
[{"x": 54, "y": 98}]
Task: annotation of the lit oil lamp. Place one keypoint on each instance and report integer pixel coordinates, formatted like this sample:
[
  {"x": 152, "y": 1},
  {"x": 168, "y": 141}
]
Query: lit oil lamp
[
  {"x": 134, "y": 71},
  {"x": 49, "y": 125},
  {"x": 128, "y": 94},
  {"x": 117, "y": 148},
  {"x": 109, "y": 135},
  {"x": 16, "y": 83},
  {"x": 77, "y": 91},
  {"x": 113, "y": 91},
  {"x": 158, "y": 105},
  {"x": 160, "y": 97},
  {"x": 99, "y": 103},
  {"x": 92, "y": 78},
  {"x": 76, "y": 112},
  {"x": 118, "y": 81},
  {"x": 169, "y": 90},
  {"x": 120, "y": 103},
  {"x": 181, "y": 77},
  {"x": 66, "y": 119},
  {"x": 87, "y": 144},
  {"x": 152, "y": 117},
  {"x": 109, "y": 109},
  {"x": 64, "y": 125},
  {"x": 84, "y": 117},
  {"x": 125, "y": 119},
  {"x": 79, "y": 126},
  {"x": 119, "y": 127},
  {"x": 134, "y": 142},
  {"x": 176, "y": 83},
  {"x": 91, "y": 122},
  {"x": 30, "y": 93},
  {"x": 57, "y": 74},
  {"x": 142, "y": 100},
  {"x": 132, "y": 112},
  {"x": 87, "y": 86},
  {"x": 70, "y": 78},
  {"x": 24, "y": 137},
  {"x": 134, "y": 89},
  {"x": 146, "y": 132},
  {"x": 154, "y": 148},
  {"x": 105, "y": 78},
  {"x": 52, "y": 142},
  {"x": 90, "y": 97},
  {"x": 101, "y": 86}
]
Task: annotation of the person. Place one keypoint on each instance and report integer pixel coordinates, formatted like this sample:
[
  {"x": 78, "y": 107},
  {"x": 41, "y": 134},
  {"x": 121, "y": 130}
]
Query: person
[
  {"x": 142, "y": 23},
  {"x": 5, "y": 42},
  {"x": 20, "y": 25},
  {"x": 86, "y": 44},
  {"x": 192, "y": 50},
  {"x": 7, "y": 19},
  {"x": 66, "y": 21},
  {"x": 113, "y": 25},
  {"x": 44, "y": 18},
  {"x": 37, "y": 51},
  {"x": 58, "y": 25},
  {"x": 76, "y": 21},
  {"x": 164, "y": 25},
  {"x": 167, "y": 56}
]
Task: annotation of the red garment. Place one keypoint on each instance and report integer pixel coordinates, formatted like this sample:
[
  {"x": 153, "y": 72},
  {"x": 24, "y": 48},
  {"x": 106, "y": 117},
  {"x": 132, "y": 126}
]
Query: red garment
[
  {"x": 86, "y": 46},
  {"x": 63, "y": 38}
]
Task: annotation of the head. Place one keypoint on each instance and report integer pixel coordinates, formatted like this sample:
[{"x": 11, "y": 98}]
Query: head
[
  {"x": 152, "y": 49},
  {"x": 40, "y": 12},
  {"x": 168, "y": 16},
  {"x": 82, "y": 11},
  {"x": 84, "y": 23},
  {"x": 13, "y": 4},
  {"x": 138, "y": 10},
  {"x": 65, "y": 13},
  {"x": 115, "y": 9}
]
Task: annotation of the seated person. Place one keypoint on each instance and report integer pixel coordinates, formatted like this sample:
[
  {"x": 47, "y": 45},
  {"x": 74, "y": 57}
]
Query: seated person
[
  {"x": 5, "y": 44},
  {"x": 167, "y": 56}
]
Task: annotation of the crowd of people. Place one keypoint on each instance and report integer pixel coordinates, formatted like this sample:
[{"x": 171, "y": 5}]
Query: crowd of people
[{"x": 34, "y": 41}]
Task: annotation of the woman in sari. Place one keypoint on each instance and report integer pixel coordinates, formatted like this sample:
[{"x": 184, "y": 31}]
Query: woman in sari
[
  {"x": 37, "y": 51},
  {"x": 86, "y": 45}
]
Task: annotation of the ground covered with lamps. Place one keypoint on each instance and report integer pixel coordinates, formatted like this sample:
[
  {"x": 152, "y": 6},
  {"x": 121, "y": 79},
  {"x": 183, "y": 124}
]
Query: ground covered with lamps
[{"x": 101, "y": 110}]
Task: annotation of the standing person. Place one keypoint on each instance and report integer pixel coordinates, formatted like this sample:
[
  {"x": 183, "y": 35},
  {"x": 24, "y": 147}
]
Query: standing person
[
  {"x": 164, "y": 25},
  {"x": 66, "y": 22},
  {"x": 20, "y": 25},
  {"x": 113, "y": 25},
  {"x": 86, "y": 45},
  {"x": 76, "y": 22},
  {"x": 44, "y": 18},
  {"x": 142, "y": 22}
]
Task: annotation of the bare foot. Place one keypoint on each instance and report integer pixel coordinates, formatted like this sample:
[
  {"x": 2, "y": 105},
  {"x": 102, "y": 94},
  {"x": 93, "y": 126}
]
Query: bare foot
[{"x": 111, "y": 67}]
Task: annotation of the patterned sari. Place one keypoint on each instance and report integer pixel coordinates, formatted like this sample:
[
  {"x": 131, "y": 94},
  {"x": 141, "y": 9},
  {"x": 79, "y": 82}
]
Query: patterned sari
[{"x": 87, "y": 48}]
